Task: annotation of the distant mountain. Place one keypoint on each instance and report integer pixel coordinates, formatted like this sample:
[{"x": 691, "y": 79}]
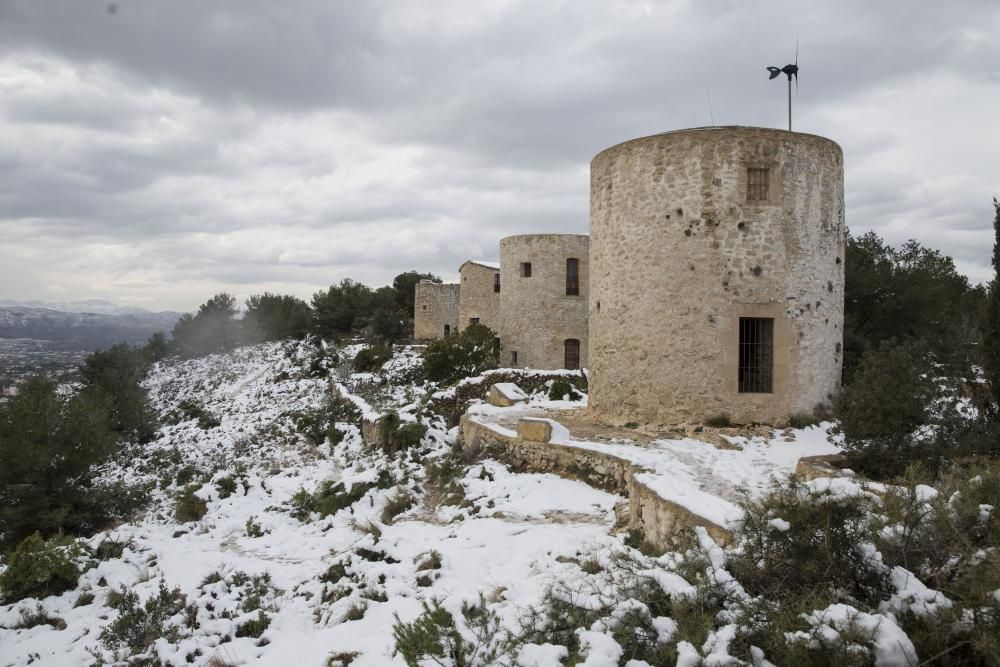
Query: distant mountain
[
  {"x": 86, "y": 330},
  {"x": 96, "y": 306}
]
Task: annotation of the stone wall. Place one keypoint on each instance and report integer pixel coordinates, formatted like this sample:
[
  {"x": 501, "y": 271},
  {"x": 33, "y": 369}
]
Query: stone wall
[
  {"x": 658, "y": 519},
  {"x": 477, "y": 297},
  {"x": 435, "y": 307},
  {"x": 536, "y": 314},
  {"x": 679, "y": 254}
]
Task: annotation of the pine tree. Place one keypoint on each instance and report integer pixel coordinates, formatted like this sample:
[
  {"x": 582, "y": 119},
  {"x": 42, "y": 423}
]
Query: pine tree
[{"x": 991, "y": 327}]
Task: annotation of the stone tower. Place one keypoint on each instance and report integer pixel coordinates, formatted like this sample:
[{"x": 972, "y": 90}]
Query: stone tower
[
  {"x": 543, "y": 300},
  {"x": 435, "y": 309},
  {"x": 716, "y": 276}
]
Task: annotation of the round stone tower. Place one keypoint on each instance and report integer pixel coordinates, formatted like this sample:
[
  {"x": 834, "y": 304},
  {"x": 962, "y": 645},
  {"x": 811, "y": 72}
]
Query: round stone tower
[
  {"x": 717, "y": 276},
  {"x": 543, "y": 300}
]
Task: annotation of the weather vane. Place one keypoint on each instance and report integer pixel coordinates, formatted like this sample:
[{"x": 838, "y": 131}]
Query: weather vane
[{"x": 790, "y": 71}]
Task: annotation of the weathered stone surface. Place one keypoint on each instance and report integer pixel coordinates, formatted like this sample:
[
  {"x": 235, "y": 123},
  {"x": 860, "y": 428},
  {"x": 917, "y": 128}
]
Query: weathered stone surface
[
  {"x": 435, "y": 309},
  {"x": 537, "y": 317},
  {"x": 506, "y": 394},
  {"x": 535, "y": 430},
  {"x": 678, "y": 254},
  {"x": 477, "y": 298},
  {"x": 813, "y": 467}
]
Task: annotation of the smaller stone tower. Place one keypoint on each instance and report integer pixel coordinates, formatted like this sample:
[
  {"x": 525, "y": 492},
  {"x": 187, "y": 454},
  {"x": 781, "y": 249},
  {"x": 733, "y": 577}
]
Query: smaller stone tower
[
  {"x": 479, "y": 296},
  {"x": 543, "y": 300},
  {"x": 435, "y": 311}
]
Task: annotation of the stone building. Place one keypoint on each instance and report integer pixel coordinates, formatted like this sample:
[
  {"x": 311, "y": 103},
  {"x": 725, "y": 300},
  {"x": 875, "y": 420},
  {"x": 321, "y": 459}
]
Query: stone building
[
  {"x": 435, "y": 309},
  {"x": 479, "y": 295},
  {"x": 717, "y": 276},
  {"x": 543, "y": 303}
]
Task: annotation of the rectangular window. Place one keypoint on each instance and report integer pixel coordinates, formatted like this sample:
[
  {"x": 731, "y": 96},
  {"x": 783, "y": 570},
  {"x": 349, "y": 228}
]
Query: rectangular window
[
  {"x": 573, "y": 276},
  {"x": 447, "y": 329},
  {"x": 758, "y": 183},
  {"x": 525, "y": 269},
  {"x": 513, "y": 358},
  {"x": 756, "y": 365},
  {"x": 473, "y": 320},
  {"x": 496, "y": 347},
  {"x": 572, "y": 347},
  {"x": 496, "y": 283}
]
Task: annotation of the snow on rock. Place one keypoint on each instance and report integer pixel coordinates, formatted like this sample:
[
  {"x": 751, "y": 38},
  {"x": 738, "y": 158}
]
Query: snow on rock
[
  {"x": 600, "y": 648},
  {"x": 779, "y": 525}
]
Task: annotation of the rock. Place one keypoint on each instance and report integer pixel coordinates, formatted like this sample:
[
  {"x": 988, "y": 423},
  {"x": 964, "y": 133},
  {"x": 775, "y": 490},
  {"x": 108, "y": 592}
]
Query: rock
[
  {"x": 535, "y": 430},
  {"x": 506, "y": 394}
]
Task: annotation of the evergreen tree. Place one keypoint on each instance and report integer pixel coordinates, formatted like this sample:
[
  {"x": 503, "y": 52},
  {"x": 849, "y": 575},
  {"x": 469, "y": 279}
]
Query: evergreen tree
[
  {"x": 114, "y": 376},
  {"x": 991, "y": 324},
  {"x": 212, "y": 329},
  {"x": 157, "y": 347},
  {"x": 48, "y": 446},
  {"x": 276, "y": 317},
  {"x": 341, "y": 309},
  {"x": 386, "y": 321}
]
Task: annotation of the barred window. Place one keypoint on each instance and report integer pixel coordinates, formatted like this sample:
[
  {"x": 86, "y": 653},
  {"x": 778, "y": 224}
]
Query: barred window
[
  {"x": 758, "y": 184},
  {"x": 525, "y": 269},
  {"x": 756, "y": 362},
  {"x": 572, "y": 353},
  {"x": 496, "y": 282},
  {"x": 573, "y": 276}
]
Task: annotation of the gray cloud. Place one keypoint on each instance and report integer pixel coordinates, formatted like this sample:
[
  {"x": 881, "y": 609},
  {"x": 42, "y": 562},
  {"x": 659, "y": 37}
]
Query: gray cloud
[{"x": 170, "y": 150}]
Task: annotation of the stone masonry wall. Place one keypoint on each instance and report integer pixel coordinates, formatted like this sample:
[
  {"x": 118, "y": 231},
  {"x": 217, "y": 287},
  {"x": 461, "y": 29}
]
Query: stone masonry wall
[
  {"x": 477, "y": 298},
  {"x": 536, "y": 314},
  {"x": 435, "y": 306},
  {"x": 658, "y": 519},
  {"x": 678, "y": 255}
]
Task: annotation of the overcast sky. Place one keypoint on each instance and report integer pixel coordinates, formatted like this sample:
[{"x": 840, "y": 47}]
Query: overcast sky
[{"x": 155, "y": 152}]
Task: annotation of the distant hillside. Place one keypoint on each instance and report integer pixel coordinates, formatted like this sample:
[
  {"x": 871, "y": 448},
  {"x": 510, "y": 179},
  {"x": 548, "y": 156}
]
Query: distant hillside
[{"x": 83, "y": 330}]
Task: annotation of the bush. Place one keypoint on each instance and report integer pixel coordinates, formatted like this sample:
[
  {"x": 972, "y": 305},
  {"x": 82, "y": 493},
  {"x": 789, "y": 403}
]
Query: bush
[
  {"x": 139, "y": 626},
  {"x": 434, "y": 636},
  {"x": 226, "y": 486},
  {"x": 395, "y": 435},
  {"x": 189, "y": 408},
  {"x": 396, "y": 505},
  {"x": 255, "y": 627},
  {"x": 371, "y": 359},
  {"x": 884, "y": 406},
  {"x": 720, "y": 420},
  {"x": 444, "y": 481},
  {"x": 39, "y": 568},
  {"x": 332, "y": 497},
  {"x": 189, "y": 507},
  {"x": 561, "y": 389},
  {"x": 253, "y": 528},
  {"x": 469, "y": 353}
]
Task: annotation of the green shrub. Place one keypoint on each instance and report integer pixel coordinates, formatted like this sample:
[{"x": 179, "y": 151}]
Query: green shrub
[
  {"x": 110, "y": 548},
  {"x": 396, "y": 505},
  {"x": 454, "y": 357},
  {"x": 253, "y": 528},
  {"x": 189, "y": 507},
  {"x": 434, "y": 636},
  {"x": 226, "y": 486},
  {"x": 395, "y": 435},
  {"x": 444, "y": 485},
  {"x": 137, "y": 626},
  {"x": 561, "y": 389},
  {"x": 39, "y": 616},
  {"x": 189, "y": 408},
  {"x": 720, "y": 420},
  {"x": 255, "y": 627},
  {"x": 329, "y": 498},
  {"x": 84, "y": 599},
  {"x": 886, "y": 403},
  {"x": 39, "y": 568},
  {"x": 371, "y": 359}
]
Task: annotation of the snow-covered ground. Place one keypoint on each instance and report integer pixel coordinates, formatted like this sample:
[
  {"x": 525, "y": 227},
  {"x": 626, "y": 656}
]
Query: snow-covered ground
[
  {"x": 334, "y": 586},
  {"x": 507, "y": 539}
]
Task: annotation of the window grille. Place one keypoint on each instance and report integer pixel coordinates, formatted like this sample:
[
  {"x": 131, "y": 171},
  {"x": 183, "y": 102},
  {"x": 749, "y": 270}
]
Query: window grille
[
  {"x": 496, "y": 283},
  {"x": 756, "y": 364},
  {"x": 572, "y": 356},
  {"x": 525, "y": 269},
  {"x": 758, "y": 184},
  {"x": 572, "y": 277}
]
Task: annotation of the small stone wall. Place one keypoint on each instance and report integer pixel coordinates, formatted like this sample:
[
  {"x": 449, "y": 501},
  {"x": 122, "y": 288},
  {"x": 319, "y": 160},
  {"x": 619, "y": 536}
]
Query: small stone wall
[{"x": 658, "y": 519}]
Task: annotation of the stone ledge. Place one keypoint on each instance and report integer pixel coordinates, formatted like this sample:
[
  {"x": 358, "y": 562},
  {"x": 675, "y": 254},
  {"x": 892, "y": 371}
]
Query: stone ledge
[{"x": 659, "y": 519}]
